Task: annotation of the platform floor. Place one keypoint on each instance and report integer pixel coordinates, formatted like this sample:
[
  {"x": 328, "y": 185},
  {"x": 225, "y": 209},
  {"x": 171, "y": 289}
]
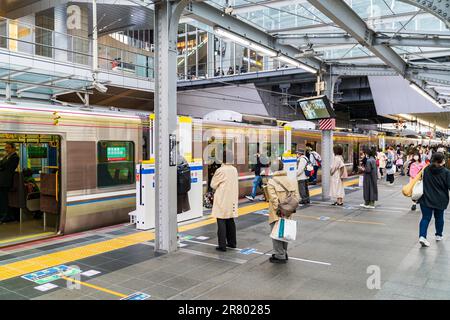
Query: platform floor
[{"x": 329, "y": 260}]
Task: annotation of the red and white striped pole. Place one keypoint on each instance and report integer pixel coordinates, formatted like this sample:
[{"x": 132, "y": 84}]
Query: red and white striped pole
[{"x": 327, "y": 126}]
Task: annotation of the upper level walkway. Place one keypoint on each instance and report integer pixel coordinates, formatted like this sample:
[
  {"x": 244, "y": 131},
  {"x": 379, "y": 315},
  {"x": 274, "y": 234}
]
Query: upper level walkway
[{"x": 38, "y": 60}]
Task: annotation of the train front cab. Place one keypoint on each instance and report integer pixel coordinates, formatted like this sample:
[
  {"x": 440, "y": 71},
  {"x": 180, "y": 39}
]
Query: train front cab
[{"x": 35, "y": 197}]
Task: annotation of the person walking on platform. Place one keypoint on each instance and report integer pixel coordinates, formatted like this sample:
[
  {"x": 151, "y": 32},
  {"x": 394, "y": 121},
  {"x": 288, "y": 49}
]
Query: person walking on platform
[
  {"x": 414, "y": 168},
  {"x": 257, "y": 181},
  {"x": 370, "y": 188},
  {"x": 381, "y": 157},
  {"x": 225, "y": 206},
  {"x": 390, "y": 165},
  {"x": 302, "y": 178},
  {"x": 338, "y": 173},
  {"x": 8, "y": 166},
  {"x": 278, "y": 189},
  {"x": 435, "y": 198}
]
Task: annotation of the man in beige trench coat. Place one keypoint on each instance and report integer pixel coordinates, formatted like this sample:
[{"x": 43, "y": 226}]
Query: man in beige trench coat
[{"x": 225, "y": 182}]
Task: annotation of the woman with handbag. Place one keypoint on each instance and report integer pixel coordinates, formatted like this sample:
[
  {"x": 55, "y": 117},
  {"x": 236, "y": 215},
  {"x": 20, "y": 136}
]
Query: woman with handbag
[
  {"x": 414, "y": 168},
  {"x": 338, "y": 173},
  {"x": 435, "y": 197},
  {"x": 370, "y": 187},
  {"x": 280, "y": 189}
]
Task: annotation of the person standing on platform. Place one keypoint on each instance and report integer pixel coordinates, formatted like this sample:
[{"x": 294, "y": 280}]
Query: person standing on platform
[
  {"x": 381, "y": 157},
  {"x": 370, "y": 187},
  {"x": 302, "y": 178},
  {"x": 225, "y": 206},
  {"x": 315, "y": 159},
  {"x": 338, "y": 172},
  {"x": 435, "y": 198},
  {"x": 8, "y": 166},
  {"x": 278, "y": 188},
  {"x": 390, "y": 165}
]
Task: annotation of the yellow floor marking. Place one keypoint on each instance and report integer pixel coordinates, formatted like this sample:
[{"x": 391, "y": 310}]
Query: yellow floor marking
[
  {"x": 37, "y": 235},
  {"x": 19, "y": 268},
  {"x": 115, "y": 293}
]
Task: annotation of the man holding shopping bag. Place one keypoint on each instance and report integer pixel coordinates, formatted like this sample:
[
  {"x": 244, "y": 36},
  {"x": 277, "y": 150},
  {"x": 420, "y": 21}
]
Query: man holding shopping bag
[{"x": 283, "y": 201}]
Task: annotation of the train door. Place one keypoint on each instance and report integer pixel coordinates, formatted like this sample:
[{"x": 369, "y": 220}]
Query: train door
[{"x": 30, "y": 194}]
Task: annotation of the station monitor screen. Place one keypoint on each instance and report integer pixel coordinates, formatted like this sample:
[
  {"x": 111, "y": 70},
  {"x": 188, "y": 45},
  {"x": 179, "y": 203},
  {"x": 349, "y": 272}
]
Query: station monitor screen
[{"x": 316, "y": 108}]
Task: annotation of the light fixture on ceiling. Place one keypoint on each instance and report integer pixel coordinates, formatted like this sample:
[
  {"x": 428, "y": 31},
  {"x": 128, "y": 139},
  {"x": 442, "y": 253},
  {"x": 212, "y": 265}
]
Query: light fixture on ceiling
[
  {"x": 296, "y": 63},
  {"x": 424, "y": 94}
]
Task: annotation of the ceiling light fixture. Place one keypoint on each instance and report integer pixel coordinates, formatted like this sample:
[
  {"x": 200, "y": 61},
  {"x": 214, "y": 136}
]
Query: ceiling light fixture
[{"x": 296, "y": 63}]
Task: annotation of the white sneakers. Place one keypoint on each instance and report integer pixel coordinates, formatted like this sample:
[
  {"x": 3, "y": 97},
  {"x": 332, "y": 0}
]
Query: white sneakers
[
  {"x": 250, "y": 198},
  {"x": 424, "y": 242},
  {"x": 363, "y": 205}
]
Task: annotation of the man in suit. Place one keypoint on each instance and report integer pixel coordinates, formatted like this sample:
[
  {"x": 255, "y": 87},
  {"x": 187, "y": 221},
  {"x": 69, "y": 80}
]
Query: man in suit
[{"x": 8, "y": 166}]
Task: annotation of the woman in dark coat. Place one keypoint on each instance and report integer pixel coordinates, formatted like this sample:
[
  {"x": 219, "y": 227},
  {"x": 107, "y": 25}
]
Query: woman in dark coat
[{"x": 370, "y": 188}]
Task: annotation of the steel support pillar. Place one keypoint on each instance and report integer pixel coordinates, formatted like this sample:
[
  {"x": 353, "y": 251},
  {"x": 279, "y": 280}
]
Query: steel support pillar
[
  {"x": 327, "y": 144},
  {"x": 167, "y": 15}
]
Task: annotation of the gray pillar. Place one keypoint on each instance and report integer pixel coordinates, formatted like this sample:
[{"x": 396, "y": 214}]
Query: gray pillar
[
  {"x": 327, "y": 158},
  {"x": 327, "y": 142},
  {"x": 167, "y": 15},
  {"x": 61, "y": 39}
]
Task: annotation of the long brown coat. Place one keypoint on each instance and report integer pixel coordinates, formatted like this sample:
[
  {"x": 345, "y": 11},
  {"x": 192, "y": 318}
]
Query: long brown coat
[
  {"x": 277, "y": 193},
  {"x": 226, "y": 183}
]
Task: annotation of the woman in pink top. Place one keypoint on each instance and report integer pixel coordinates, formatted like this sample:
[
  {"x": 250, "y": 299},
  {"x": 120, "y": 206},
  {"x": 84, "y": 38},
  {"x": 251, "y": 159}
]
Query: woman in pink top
[{"x": 415, "y": 167}]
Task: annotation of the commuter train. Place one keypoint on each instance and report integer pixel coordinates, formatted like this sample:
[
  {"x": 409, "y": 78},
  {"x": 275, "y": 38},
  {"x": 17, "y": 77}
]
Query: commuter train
[{"x": 83, "y": 161}]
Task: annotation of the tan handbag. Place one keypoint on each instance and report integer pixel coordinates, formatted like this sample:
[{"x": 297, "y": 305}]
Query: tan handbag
[{"x": 407, "y": 190}]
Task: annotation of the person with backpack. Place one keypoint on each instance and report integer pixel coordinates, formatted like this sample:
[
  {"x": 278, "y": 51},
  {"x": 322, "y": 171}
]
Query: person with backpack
[
  {"x": 283, "y": 202},
  {"x": 435, "y": 198},
  {"x": 257, "y": 181},
  {"x": 183, "y": 184},
  {"x": 338, "y": 172},
  {"x": 304, "y": 171},
  {"x": 225, "y": 182},
  {"x": 315, "y": 159}
]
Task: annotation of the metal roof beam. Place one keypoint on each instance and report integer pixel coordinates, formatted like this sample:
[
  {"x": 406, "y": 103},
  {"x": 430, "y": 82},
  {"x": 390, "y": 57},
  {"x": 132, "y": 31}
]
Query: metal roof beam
[
  {"x": 341, "y": 14},
  {"x": 212, "y": 16},
  {"x": 325, "y": 40},
  {"x": 438, "y": 8}
]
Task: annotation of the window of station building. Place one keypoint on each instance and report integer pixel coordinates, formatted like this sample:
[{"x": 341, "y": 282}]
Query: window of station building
[{"x": 115, "y": 163}]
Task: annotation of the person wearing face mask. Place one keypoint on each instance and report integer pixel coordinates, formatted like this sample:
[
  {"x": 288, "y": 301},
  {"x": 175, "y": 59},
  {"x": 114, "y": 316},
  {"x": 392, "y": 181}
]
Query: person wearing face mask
[
  {"x": 415, "y": 167},
  {"x": 435, "y": 198}
]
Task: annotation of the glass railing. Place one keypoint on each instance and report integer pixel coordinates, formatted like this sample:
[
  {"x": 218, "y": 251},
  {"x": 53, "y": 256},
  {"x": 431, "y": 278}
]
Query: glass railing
[{"x": 20, "y": 37}]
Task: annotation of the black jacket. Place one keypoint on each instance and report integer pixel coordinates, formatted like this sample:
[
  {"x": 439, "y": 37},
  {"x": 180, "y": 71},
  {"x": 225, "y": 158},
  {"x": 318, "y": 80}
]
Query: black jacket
[
  {"x": 7, "y": 168},
  {"x": 436, "y": 184}
]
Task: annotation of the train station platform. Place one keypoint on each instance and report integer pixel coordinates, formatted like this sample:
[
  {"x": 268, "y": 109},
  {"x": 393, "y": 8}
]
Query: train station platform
[{"x": 335, "y": 248}]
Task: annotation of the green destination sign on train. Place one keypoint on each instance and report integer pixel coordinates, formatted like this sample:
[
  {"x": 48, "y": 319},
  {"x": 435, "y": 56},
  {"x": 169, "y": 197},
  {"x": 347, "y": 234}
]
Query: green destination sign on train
[{"x": 116, "y": 153}]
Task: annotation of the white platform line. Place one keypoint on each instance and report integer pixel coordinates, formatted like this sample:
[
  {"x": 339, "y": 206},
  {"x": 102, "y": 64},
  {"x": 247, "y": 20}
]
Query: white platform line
[{"x": 262, "y": 253}]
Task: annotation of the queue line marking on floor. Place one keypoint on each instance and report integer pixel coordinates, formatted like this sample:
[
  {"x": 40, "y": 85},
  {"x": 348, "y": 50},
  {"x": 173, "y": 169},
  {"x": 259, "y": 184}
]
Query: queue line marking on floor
[{"x": 19, "y": 268}]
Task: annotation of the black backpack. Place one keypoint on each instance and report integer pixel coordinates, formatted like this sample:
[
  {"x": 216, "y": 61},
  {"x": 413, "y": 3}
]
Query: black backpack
[{"x": 183, "y": 178}]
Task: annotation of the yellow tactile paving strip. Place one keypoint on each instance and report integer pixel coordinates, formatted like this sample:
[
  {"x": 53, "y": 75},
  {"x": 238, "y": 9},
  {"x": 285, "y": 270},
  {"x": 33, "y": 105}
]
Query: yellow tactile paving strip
[{"x": 19, "y": 268}]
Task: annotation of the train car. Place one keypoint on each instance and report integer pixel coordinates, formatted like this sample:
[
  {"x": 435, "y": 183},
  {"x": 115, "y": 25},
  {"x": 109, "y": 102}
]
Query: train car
[{"x": 82, "y": 161}]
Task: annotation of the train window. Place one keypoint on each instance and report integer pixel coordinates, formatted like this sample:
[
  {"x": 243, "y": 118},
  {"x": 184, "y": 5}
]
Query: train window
[
  {"x": 115, "y": 163},
  {"x": 345, "y": 155}
]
